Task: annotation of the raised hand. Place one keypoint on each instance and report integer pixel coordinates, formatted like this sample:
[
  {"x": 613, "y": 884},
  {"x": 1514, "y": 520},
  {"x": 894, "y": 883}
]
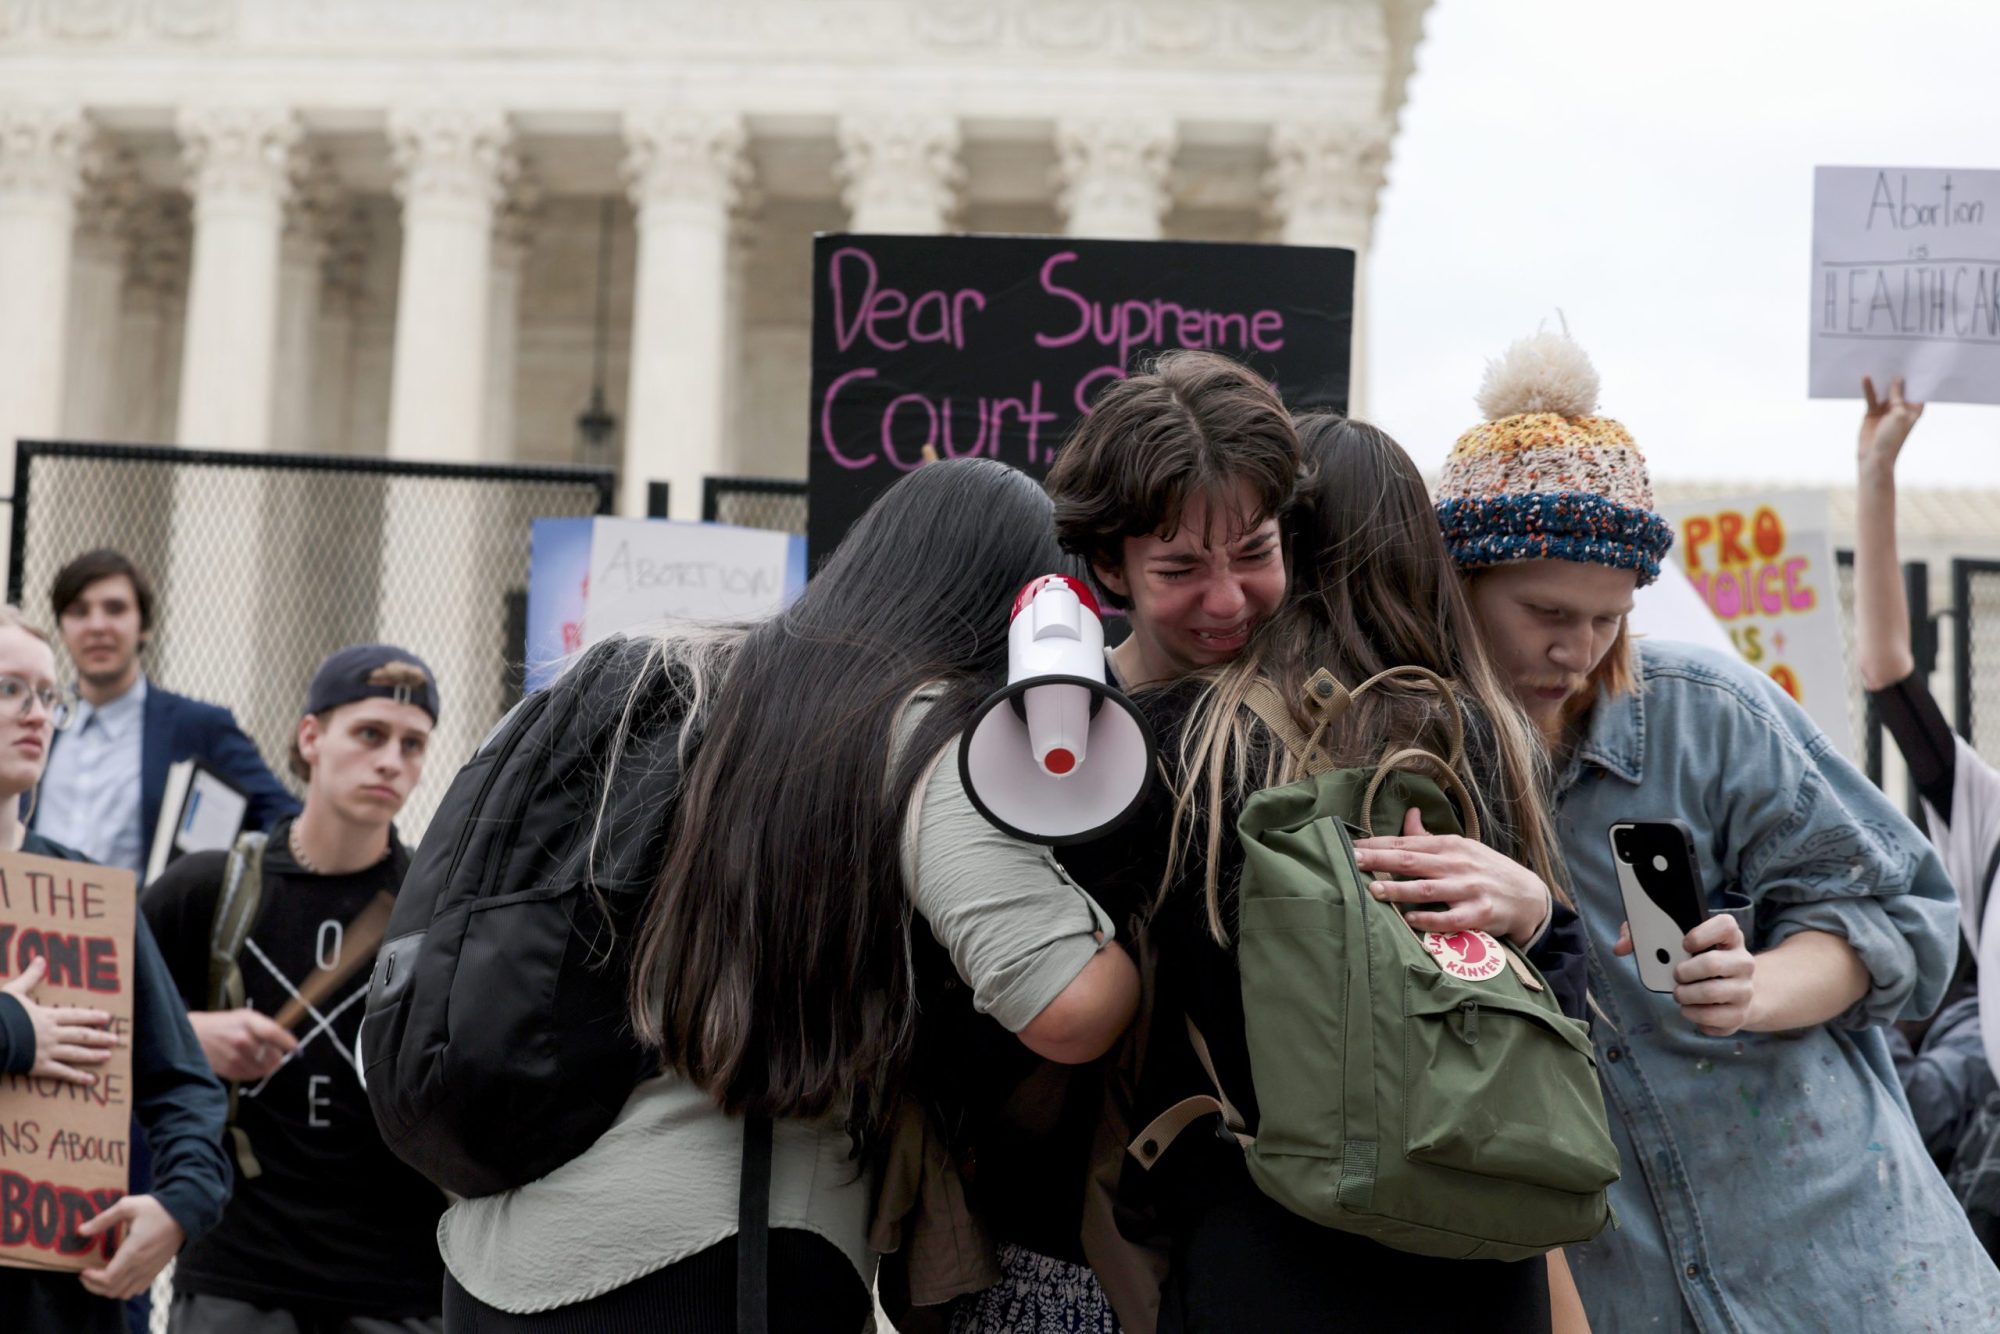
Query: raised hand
[{"x": 1886, "y": 423}]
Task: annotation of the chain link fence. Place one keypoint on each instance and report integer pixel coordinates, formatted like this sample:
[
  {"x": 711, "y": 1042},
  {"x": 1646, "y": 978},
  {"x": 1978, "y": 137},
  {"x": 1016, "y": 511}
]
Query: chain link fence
[
  {"x": 262, "y": 564},
  {"x": 755, "y": 502},
  {"x": 1975, "y": 598}
]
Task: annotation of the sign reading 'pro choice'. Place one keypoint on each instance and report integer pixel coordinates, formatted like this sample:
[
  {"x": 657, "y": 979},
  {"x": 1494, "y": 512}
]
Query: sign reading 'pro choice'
[
  {"x": 1765, "y": 567},
  {"x": 994, "y": 346},
  {"x": 63, "y": 1146}
]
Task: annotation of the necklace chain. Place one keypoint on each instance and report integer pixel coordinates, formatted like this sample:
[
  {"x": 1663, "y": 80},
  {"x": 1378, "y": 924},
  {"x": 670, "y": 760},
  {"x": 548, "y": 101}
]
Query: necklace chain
[{"x": 307, "y": 864}]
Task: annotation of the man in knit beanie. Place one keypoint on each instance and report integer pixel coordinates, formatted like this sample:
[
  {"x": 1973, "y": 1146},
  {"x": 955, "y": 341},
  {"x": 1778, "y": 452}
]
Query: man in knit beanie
[{"x": 1831, "y": 917}]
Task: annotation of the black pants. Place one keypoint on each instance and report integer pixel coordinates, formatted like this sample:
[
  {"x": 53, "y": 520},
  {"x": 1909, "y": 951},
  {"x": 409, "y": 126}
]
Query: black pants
[
  {"x": 813, "y": 1290},
  {"x": 1248, "y": 1265},
  {"x": 37, "y": 1301}
]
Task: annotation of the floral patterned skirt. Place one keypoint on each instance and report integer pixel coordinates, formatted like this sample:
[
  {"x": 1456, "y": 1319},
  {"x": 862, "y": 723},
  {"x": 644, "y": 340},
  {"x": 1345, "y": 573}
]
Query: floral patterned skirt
[{"x": 1036, "y": 1295}]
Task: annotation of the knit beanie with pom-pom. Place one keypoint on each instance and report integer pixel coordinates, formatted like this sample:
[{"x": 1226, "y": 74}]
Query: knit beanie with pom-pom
[{"x": 1544, "y": 477}]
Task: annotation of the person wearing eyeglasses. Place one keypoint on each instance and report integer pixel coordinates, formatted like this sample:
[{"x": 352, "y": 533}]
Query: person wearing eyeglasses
[
  {"x": 107, "y": 777},
  {"x": 177, "y": 1100}
]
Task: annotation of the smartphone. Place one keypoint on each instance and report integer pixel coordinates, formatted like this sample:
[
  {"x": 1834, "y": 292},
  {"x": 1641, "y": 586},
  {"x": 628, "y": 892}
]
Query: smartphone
[{"x": 1664, "y": 899}]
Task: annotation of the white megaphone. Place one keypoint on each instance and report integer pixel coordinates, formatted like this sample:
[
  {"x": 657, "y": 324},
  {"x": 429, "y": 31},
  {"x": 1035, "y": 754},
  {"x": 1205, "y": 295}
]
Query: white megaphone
[{"x": 1057, "y": 756}]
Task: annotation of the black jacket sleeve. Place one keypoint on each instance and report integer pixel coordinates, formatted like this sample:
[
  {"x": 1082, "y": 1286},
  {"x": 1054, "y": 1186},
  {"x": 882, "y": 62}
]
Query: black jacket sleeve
[
  {"x": 17, "y": 1037},
  {"x": 179, "y": 1101},
  {"x": 235, "y": 757},
  {"x": 1911, "y": 714},
  {"x": 1560, "y": 956}
]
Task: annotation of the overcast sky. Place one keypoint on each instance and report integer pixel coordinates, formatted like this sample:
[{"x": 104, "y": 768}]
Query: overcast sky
[{"x": 1647, "y": 170}]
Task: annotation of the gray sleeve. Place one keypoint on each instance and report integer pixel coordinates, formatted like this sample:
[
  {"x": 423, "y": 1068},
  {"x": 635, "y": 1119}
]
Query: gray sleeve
[{"x": 1018, "y": 929}]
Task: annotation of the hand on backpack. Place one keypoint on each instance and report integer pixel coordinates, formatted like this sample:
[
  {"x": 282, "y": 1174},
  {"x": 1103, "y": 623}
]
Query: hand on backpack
[
  {"x": 1714, "y": 986},
  {"x": 242, "y": 1045},
  {"x": 152, "y": 1239},
  {"x": 1479, "y": 888},
  {"x": 66, "y": 1037}
]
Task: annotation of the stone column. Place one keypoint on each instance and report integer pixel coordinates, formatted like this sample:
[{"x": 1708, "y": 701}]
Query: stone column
[
  {"x": 91, "y": 388},
  {"x": 452, "y": 168},
  {"x": 340, "y": 296},
  {"x": 43, "y": 153},
  {"x": 743, "y": 236},
  {"x": 309, "y": 218},
  {"x": 686, "y": 171},
  {"x": 149, "y": 346},
  {"x": 240, "y": 162},
  {"x": 1111, "y": 176},
  {"x": 1322, "y": 187},
  {"x": 899, "y": 171},
  {"x": 513, "y": 238}
]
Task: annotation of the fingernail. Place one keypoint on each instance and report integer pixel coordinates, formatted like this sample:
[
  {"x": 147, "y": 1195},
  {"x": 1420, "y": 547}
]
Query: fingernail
[{"x": 1378, "y": 889}]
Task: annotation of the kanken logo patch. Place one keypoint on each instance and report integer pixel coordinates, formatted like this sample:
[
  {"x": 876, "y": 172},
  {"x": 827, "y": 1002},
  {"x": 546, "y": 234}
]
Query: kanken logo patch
[{"x": 1472, "y": 956}]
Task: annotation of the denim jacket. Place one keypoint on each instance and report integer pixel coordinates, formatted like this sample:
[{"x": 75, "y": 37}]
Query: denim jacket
[{"x": 1771, "y": 1181}]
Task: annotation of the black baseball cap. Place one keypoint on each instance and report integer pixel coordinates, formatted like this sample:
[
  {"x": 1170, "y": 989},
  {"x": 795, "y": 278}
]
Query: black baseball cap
[{"x": 361, "y": 671}]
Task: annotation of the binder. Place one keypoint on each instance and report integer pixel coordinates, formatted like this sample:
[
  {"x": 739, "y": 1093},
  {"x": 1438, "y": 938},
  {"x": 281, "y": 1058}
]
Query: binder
[{"x": 200, "y": 811}]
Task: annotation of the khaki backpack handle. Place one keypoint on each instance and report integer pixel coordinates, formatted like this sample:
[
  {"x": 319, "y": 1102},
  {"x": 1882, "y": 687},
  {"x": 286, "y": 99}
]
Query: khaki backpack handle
[
  {"x": 1325, "y": 699},
  {"x": 1447, "y": 777},
  {"x": 1454, "y": 720}
]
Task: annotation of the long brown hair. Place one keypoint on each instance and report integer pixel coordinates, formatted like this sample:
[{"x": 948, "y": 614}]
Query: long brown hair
[
  {"x": 773, "y": 964},
  {"x": 1373, "y": 587}
]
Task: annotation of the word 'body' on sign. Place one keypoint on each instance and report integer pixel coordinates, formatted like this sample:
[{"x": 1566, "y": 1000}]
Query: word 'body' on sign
[
  {"x": 1765, "y": 567},
  {"x": 994, "y": 346},
  {"x": 63, "y": 1147},
  {"x": 1906, "y": 281}
]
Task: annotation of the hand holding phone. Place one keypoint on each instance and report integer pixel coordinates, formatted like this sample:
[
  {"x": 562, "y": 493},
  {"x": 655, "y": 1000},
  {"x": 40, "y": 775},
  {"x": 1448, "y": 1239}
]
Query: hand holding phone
[{"x": 1661, "y": 887}]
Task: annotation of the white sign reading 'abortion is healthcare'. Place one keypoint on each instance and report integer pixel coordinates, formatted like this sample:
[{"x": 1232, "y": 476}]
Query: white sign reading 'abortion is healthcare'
[{"x": 1906, "y": 281}]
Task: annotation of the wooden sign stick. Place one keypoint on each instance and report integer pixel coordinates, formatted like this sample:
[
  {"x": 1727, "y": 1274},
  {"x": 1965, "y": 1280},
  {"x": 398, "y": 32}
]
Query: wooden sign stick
[{"x": 357, "y": 947}]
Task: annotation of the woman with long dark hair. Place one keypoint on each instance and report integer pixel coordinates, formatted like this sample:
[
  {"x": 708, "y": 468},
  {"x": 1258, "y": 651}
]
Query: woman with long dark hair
[
  {"x": 1372, "y": 589},
  {"x": 773, "y": 969}
]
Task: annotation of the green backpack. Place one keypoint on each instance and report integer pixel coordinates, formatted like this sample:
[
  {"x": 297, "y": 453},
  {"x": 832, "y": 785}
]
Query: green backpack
[{"x": 1424, "y": 1091}]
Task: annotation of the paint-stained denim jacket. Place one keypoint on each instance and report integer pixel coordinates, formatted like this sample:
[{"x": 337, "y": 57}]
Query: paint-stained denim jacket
[{"x": 1771, "y": 1181}]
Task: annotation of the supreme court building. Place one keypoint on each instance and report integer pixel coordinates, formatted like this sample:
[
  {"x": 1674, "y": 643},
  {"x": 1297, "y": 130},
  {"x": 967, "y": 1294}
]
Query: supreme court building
[{"x": 427, "y": 229}]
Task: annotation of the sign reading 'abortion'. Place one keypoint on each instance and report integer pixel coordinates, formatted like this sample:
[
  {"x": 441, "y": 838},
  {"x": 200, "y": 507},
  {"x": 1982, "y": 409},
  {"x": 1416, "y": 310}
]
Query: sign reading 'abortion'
[
  {"x": 1906, "y": 281},
  {"x": 994, "y": 346}
]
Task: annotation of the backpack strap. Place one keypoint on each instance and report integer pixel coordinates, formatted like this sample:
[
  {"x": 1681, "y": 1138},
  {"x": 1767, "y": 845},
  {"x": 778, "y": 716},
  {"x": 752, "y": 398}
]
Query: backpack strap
[
  {"x": 235, "y": 914},
  {"x": 753, "y": 1228},
  {"x": 1324, "y": 699},
  {"x": 1165, "y": 1128}
]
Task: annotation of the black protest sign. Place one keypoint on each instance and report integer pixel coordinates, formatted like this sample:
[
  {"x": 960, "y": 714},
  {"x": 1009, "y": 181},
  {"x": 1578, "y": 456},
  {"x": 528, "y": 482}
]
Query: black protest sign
[{"x": 994, "y": 346}]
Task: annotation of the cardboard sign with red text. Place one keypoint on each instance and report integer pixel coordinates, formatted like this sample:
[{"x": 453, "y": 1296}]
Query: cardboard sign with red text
[
  {"x": 63, "y": 1147},
  {"x": 1765, "y": 567}
]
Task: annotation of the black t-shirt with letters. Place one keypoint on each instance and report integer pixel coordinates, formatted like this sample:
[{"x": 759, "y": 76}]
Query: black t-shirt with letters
[{"x": 334, "y": 1222}]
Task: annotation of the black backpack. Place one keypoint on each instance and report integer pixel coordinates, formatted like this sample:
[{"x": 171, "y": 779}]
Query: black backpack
[{"x": 496, "y": 1045}]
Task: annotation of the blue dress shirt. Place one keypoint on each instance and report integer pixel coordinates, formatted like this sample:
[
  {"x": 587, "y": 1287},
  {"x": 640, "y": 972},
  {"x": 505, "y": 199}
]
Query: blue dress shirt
[{"x": 89, "y": 797}]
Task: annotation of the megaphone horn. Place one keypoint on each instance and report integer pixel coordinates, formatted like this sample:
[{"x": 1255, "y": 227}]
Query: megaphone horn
[{"x": 1056, "y": 765}]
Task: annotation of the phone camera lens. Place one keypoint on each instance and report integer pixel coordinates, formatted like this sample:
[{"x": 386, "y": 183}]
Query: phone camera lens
[{"x": 1663, "y": 956}]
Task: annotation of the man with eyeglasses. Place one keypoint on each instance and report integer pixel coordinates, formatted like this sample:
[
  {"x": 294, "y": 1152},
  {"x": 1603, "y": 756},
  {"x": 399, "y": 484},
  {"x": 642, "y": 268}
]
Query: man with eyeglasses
[{"x": 108, "y": 775}]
